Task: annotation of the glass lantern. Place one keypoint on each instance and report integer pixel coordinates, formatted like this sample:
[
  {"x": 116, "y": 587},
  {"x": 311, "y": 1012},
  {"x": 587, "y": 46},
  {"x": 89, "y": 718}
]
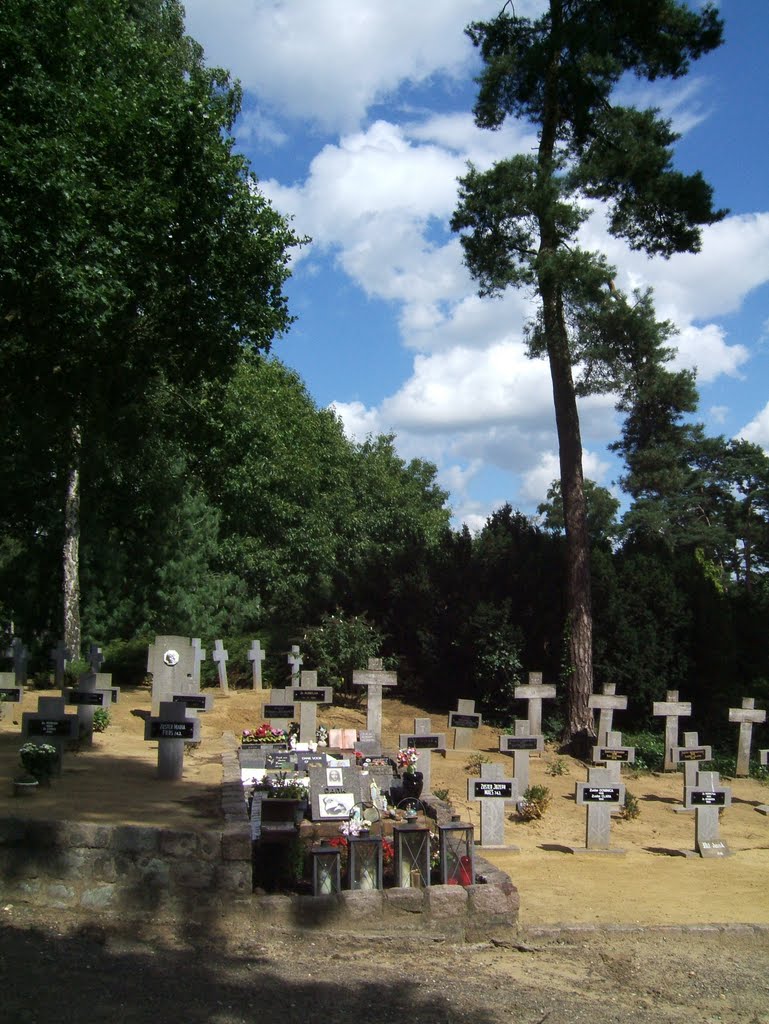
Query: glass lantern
[
  {"x": 412, "y": 856},
  {"x": 365, "y": 863},
  {"x": 457, "y": 858},
  {"x": 325, "y": 870}
]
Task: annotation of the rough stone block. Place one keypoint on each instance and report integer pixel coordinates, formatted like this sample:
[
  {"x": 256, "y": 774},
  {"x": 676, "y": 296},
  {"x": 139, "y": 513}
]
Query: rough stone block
[
  {"x": 135, "y": 839},
  {"x": 58, "y": 895},
  {"x": 99, "y": 898},
  {"x": 87, "y": 835},
  {"x": 155, "y": 874},
  {"x": 362, "y": 904},
  {"x": 236, "y": 845},
  {"x": 491, "y": 902},
  {"x": 13, "y": 831},
  {"x": 192, "y": 875},
  {"x": 398, "y": 902},
  {"x": 174, "y": 843},
  {"x": 234, "y": 877},
  {"x": 104, "y": 868},
  {"x": 447, "y": 901}
]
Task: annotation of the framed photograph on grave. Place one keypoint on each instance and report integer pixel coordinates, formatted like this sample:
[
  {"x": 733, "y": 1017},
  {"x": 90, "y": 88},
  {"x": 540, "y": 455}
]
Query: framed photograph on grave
[
  {"x": 335, "y": 806},
  {"x": 334, "y": 777}
]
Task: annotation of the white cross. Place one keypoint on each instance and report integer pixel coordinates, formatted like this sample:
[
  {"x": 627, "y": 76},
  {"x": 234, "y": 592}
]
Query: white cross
[
  {"x": 256, "y": 656},
  {"x": 220, "y": 657}
]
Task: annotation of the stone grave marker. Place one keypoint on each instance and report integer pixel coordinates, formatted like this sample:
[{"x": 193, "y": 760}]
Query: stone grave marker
[
  {"x": 521, "y": 745},
  {"x": 280, "y": 711},
  {"x": 764, "y": 760},
  {"x": 19, "y": 655},
  {"x": 308, "y": 695},
  {"x": 606, "y": 703},
  {"x": 611, "y": 755},
  {"x": 95, "y": 658},
  {"x": 87, "y": 697},
  {"x": 671, "y": 709},
  {"x": 61, "y": 657},
  {"x": 199, "y": 658},
  {"x": 171, "y": 728},
  {"x": 194, "y": 701},
  {"x": 11, "y": 690},
  {"x": 600, "y": 795},
  {"x": 295, "y": 661},
  {"x": 256, "y": 656},
  {"x": 493, "y": 791},
  {"x": 691, "y": 754},
  {"x": 220, "y": 657},
  {"x": 173, "y": 662},
  {"x": 50, "y": 724},
  {"x": 534, "y": 692},
  {"x": 706, "y": 799},
  {"x": 465, "y": 722},
  {"x": 368, "y": 744},
  {"x": 334, "y": 791},
  {"x": 374, "y": 678},
  {"x": 747, "y": 716},
  {"x": 424, "y": 741}
]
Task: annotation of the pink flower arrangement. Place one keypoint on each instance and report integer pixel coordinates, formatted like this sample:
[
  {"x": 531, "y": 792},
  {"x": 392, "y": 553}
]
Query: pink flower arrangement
[
  {"x": 408, "y": 758},
  {"x": 264, "y": 734}
]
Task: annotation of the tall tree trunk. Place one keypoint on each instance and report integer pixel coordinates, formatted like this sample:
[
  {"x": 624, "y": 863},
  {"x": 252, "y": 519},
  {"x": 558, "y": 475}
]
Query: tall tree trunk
[{"x": 71, "y": 552}]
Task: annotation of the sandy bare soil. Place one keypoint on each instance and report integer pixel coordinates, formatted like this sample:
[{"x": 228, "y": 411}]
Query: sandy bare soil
[{"x": 601, "y": 967}]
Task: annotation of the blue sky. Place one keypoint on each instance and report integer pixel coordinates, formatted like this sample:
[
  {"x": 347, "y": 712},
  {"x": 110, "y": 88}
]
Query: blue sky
[{"x": 357, "y": 121}]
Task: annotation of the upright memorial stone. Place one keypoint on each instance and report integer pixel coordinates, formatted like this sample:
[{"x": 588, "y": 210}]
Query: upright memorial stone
[
  {"x": 707, "y": 798},
  {"x": 95, "y": 658},
  {"x": 220, "y": 657},
  {"x": 60, "y": 656},
  {"x": 600, "y": 794},
  {"x": 521, "y": 746},
  {"x": 493, "y": 791},
  {"x": 374, "y": 678},
  {"x": 50, "y": 724},
  {"x": 465, "y": 722},
  {"x": 424, "y": 741},
  {"x": 171, "y": 728},
  {"x": 535, "y": 692},
  {"x": 308, "y": 695},
  {"x": 691, "y": 754},
  {"x": 10, "y": 690},
  {"x": 280, "y": 712},
  {"x": 612, "y": 755},
  {"x": 19, "y": 655},
  {"x": 764, "y": 760},
  {"x": 87, "y": 697},
  {"x": 671, "y": 709},
  {"x": 256, "y": 656},
  {"x": 606, "y": 703},
  {"x": 172, "y": 661},
  {"x": 747, "y": 716},
  {"x": 199, "y": 658},
  {"x": 334, "y": 791}
]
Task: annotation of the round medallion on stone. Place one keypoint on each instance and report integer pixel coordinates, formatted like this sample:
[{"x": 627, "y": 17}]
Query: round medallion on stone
[{"x": 171, "y": 658}]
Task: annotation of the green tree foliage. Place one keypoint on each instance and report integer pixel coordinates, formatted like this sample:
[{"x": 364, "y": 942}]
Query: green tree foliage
[
  {"x": 601, "y": 507},
  {"x": 520, "y": 218},
  {"x": 135, "y": 246}
]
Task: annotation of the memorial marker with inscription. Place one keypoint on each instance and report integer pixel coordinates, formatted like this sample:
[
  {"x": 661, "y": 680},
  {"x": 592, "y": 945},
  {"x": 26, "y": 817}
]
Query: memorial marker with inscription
[
  {"x": 465, "y": 722},
  {"x": 308, "y": 695},
  {"x": 425, "y": 742},
  {"x": 50, "y": 724},
  {"x": 280, "y": 712},
  {"x": 87, "y": 697},
  {"x": 493, "y": 791},
  {"x": 600, "y": 795},
  {"x": 171, "y": 728},
  {"x": 606, "y": 703},
  {"x": 172, "y": 661},
  {"x": 707, "y": 799},
  {"x": 374, "y": 678},
  {"x": 534, "y": 692},
  {"x": 691, "y": 755},
  {"x": 521, "y": 745},
  {"x": 671, "y": 709}
]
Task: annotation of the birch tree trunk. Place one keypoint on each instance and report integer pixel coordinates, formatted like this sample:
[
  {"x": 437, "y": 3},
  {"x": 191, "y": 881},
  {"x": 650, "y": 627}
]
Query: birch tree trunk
[{"x": 71, "y": 551}]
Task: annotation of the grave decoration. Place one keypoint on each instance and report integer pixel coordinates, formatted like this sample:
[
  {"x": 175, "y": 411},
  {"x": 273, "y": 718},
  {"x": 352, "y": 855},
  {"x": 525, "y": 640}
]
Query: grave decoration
[
  {"x": 374, "y": 678},
  {"x": 50, "y": 724},
  {"x": 534, "y": 692},
  {"x": 493, "y": 791},
  {"x": 334, "y": 791},
  {"x": 671, "y": 709},
  {"x": 707, "y": 798},
  {"x": 425, "y": 743},
  {"x": 412, "y": 781},
  {"x": 691, "y": 755},
  {"x": 606, "y": 703},
  {"x": 521, "y": 745},
  {"x": 264, "y": 735},
  {"x": 457, "y": 858},
  {"x": 413, "y": 856},
  {"x": 171, "y": 728},
  {"x": 39, "y": 761},
  {"x": 365, "y": 861},
  {"x": 326, "y": 872},
  {"x": 600, "y": 795},
  {"x": 465, "y": 722},
  {"x": 747, "y": 716}
]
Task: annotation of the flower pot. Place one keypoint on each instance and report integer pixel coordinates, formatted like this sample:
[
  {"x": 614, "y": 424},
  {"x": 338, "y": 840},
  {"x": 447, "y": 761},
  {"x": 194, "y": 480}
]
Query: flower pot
[
  {"x": 25, "y": 787},
  {"x": 284, "y": 809},
  {"x": 412, "y": 783}
]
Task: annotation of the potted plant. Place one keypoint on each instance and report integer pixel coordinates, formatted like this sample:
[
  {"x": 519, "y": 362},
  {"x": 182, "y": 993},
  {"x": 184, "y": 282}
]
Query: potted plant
[
  {"x": 411, "y": 780},
  {"x": 39, "y": 761},
  {"x": 286, "y": 799}
]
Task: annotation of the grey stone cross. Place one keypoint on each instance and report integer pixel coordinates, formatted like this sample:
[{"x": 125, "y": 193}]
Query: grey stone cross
[
  {"x": 50, "y": 724},
  {"x": 374, "y": 678},
  {"x": 295, "y": 662},
  {"x": 87, "y": 697},
  {"x": 521, "y": 745},
  {"x": 60, "y": 656},
  {"x": 171, "y": 729},
  {"x": 219, "y": 657},
  {"x": 535, "y": 692},
  {"x": 691, "y": 754},
  {"x": 493, "y": 791},
  {"x": 465, "y": 722},
  {"x": 747, "y": 716},
  {"x": 308, "y": 695},
  {"x": 707, "y": 798},
  {"x": 600, "y": 795},
  {"x": 425, "y": 742},
  {"x": 95, "y": 658},
  {"x": 198, "y": 658},
  {"x": 256, "y": 656},
  {"x": 606, "y": 704},
  {"x": 280, "y": 711},
  {"x": 671, "y": 709},
  {"x": 19, "y": 654}
]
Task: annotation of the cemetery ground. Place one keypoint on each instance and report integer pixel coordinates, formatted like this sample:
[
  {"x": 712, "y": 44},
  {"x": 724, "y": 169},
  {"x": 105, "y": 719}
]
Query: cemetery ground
[{"x": 602, "y": 937}]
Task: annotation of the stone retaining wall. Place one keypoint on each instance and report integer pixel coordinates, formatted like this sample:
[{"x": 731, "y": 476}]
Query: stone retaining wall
[{"x": 129, "y": 869}]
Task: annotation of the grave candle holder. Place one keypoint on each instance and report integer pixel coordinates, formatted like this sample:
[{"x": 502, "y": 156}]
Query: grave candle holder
[
  {"x": 326, "y": 877},
  {"x": 365, "y": 862},
  {"x": 457, "y": 847},
  {"x": 412, "y": 856}
]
